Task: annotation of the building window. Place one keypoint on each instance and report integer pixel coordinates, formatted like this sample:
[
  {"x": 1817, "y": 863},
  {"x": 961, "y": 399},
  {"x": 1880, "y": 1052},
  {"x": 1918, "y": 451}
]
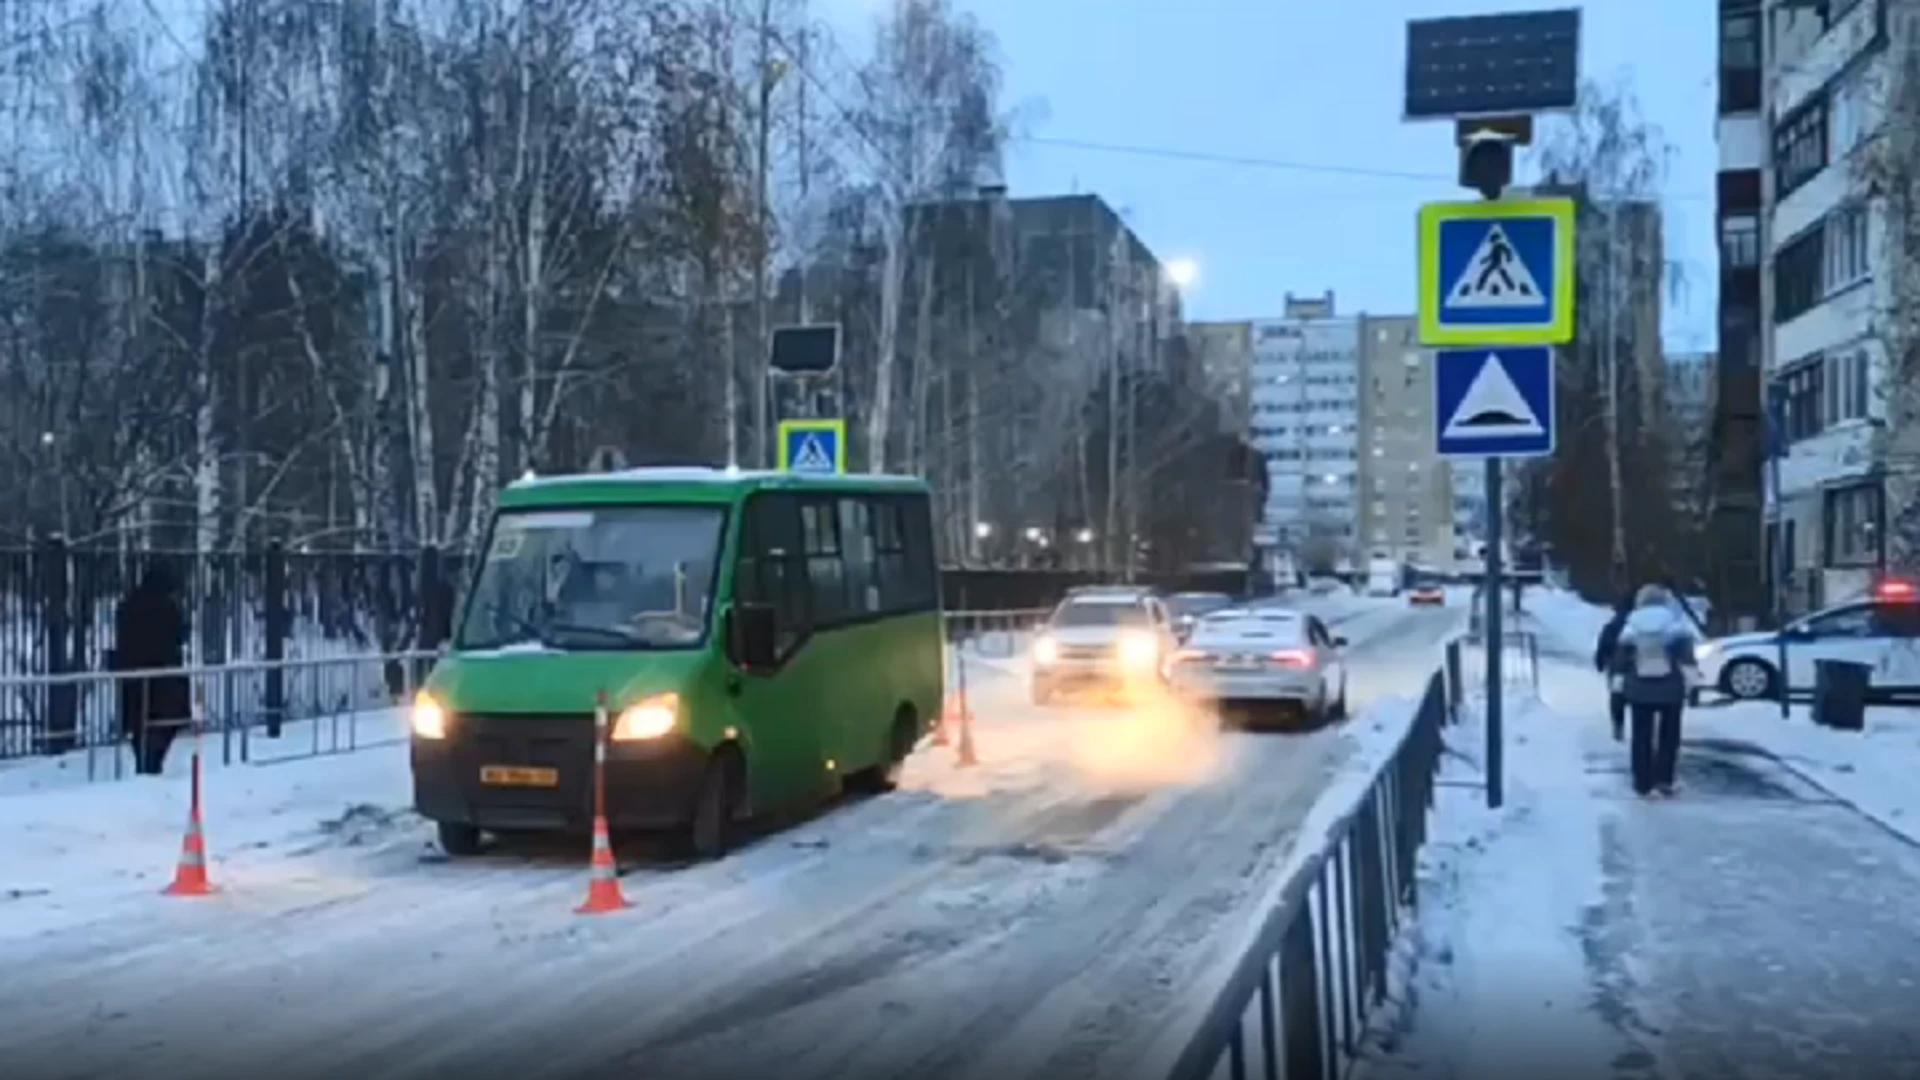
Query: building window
[
  {"x": 1740, "y": 62},
  {"x": 1846, "y": 386},
  {"x": 1797, "y": 272},
  {"x": 1799, "y": 147},
  {"x": 1802, "y": 389},
  {"x": 1852, "y": 121},
  {"x": 1845, "y": 259},
  {"x": 1740, "y": 42},
  {"x": 1740, "y": 242},
  {"x": 1852, "y": 525}
]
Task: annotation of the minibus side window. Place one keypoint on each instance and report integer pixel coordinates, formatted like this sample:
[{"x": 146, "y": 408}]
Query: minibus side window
[
  {"x": 820, "y": 530},
  {"x": 772, "y": 567}
]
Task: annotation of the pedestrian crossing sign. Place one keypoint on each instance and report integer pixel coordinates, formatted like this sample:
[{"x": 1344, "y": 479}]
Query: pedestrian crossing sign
[
  {"x": 1496, "y": 273},
  {"x": 817, "y": 447}
]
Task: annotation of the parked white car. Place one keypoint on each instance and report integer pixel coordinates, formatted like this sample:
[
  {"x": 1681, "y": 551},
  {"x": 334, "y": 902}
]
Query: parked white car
[
  {"x": 1881, "y": 631},
  {"x": 1264, "y": 656}
]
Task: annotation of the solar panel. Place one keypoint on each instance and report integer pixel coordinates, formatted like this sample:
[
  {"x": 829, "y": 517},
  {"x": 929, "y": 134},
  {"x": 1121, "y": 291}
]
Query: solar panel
[{"x": 1492, "y": 65}]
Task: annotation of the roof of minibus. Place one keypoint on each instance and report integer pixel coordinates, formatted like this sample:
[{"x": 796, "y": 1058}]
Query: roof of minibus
[{"x": 684, "y": 485}]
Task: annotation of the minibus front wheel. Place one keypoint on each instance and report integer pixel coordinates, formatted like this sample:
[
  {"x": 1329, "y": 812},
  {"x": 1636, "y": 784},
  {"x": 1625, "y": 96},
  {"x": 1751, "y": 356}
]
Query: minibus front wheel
[{"x": 709, "y": 832}]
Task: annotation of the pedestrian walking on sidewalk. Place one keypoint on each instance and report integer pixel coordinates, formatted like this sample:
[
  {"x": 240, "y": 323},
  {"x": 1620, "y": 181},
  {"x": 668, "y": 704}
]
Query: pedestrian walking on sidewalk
[
  {"x": 1654, "y": 657},
  {"x": 1606, "y": 663}
]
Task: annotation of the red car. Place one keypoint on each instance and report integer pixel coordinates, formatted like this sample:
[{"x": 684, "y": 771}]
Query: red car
[{"x": 1427, "y": 593}]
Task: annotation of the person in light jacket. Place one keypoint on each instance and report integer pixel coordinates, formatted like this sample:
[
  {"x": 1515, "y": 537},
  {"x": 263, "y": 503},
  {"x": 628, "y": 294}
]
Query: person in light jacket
[{"x": 1653, "y": 659}]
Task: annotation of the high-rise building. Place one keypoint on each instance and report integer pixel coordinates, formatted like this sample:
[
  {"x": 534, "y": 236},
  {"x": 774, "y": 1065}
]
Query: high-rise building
[
  {"x": 1224, "y": 352},
  {"x": 1733, "y": 465},
  {"x": 1405, "y": 504},
  {"x": 1825, "y": 66},
  {"x": 1689, "y": 394},
  {"x": 1304, "y": 421}
]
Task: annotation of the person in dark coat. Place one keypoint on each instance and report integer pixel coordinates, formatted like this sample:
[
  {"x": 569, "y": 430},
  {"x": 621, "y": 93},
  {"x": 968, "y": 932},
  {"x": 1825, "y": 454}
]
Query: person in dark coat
[
  {"x": 1603, "y": 663},
  {"x": 1653, "y": 659},
  {"x": 149, "y": 634}
]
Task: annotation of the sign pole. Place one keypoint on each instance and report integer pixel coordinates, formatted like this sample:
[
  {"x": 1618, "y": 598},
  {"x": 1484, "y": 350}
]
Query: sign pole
[
  {"x": 1497, "y": 276},
  {"x": 1496, "y": 786}
]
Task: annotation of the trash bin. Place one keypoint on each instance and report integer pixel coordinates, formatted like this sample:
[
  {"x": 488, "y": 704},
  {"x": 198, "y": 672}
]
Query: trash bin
[{"x": 1840, "y": 694}]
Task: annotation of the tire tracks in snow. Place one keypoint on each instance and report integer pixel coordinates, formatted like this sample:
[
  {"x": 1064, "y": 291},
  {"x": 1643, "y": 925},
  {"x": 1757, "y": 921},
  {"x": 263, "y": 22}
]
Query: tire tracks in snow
[{"x": 1029, "y": 933}]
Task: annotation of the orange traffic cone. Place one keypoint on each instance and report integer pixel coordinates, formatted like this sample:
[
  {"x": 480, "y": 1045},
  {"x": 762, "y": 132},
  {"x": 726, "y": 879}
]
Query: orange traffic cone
[
  {"x": 190, "y": 875},
  {"x": 940, "y": 736},
  {"x": 603, "y": 887}
]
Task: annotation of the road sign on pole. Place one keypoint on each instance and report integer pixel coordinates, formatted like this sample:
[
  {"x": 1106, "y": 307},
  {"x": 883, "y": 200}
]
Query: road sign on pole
[
  {"x": 1493, "y": 402},
  {"x": 1496, "y": 277},
  {"x": 817, "y": 447},
  {"x": 1496, "y": 273}
]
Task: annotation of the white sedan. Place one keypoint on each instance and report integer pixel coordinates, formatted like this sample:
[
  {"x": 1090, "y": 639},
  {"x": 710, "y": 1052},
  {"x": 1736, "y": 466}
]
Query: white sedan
[{"x": 1265, "y": 656}]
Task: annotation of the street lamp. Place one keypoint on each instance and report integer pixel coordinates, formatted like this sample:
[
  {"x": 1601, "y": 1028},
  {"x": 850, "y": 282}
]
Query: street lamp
[
  {"x": 1182, "y": 273},
  {"x": 1034, "y": 534},
  {"x": 1085, "y": 536},
  {"x": 982, "y": 530}
]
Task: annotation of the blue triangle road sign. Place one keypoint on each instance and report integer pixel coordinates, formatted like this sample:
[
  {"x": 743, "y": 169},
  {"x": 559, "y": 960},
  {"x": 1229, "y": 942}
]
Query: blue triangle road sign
[{"x": 1493, "y": 402}]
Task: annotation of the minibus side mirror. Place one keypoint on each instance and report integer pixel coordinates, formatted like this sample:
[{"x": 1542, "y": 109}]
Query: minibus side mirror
[{"x": 754, "y": 631}]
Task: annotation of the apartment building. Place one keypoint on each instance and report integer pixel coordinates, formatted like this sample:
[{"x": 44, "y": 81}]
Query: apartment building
[
  {"x": 1825, "y": 65},
  {"x": 1224, "y": 352},
  {"x": 1732, "y": 468},
  {"x": 1405, "y": 504},
  {"x": 1689, "y": 398},
  {"x": 1304, "y": 423}
]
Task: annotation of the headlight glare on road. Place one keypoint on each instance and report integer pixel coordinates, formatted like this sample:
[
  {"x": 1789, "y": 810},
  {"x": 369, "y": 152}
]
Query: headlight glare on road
[
  {"x": 1046, "y": 651},
  {"x": 429, "y": 718},
  {"x": 1139, "y": 651}
]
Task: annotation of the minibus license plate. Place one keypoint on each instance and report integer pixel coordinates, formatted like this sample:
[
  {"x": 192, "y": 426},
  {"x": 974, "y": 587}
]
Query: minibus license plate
[{"x": 515, "y": 776}]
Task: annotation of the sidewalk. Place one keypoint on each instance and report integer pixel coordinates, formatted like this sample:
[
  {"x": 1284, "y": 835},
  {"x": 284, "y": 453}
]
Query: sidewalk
[{"x": 1755, "y": 926}]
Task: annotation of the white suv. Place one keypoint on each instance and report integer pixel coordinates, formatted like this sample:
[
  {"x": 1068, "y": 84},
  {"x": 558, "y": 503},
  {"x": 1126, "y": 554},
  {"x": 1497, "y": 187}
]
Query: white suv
[{"x": 1109, "y": 638}]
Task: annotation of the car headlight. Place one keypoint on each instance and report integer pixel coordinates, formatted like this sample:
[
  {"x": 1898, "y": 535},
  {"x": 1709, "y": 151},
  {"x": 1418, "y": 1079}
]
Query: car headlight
[
  {"x": 648, "y": 719},
  {"x": 429, "y": 717},
  {"x": 1139, "y": 651},
  {"x": 1704, "y": 649},
  {"x": 1046, "y": 651}
]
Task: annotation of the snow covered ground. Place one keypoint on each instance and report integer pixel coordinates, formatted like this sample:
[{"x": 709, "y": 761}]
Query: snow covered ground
[
  {"x": 1753, "y": 926},
  {"x": 1560, "y": 614},
  {"x": 1040, "y": 914}
]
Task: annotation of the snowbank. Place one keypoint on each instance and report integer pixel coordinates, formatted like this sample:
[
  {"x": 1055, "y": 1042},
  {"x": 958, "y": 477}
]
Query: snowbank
[
  {"x": 1500, "y": 982},
  {"x": 1570, "y": 621},
  {"x": 1873, "y": 771}
]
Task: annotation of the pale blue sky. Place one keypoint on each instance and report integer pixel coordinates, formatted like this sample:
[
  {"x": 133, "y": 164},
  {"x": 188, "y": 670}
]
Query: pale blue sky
[{"x": 1317, "y": 83}]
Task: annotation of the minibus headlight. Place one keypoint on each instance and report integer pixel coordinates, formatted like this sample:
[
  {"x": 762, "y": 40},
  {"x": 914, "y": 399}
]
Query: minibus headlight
[
  {"x": 1046, "y": 651},
  {"x": 429, "y": 717},
  {"x": 648, "y": 719}
]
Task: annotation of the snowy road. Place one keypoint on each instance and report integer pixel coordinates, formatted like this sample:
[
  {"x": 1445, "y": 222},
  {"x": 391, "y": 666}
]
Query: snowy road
[{"x": 1033, "y": 916}]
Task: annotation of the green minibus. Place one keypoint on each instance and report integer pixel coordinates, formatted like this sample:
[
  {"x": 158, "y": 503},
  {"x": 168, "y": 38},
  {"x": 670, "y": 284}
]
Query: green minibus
[{"x": 762, "y": 640}]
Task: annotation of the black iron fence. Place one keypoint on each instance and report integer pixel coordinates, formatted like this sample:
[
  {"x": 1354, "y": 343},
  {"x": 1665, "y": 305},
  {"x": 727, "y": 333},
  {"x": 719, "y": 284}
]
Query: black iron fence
[
  {"x": 1298, "y": 1004},
  {"x": 256, "y": 711},
  {"x": 57, "y": 617},
  {"x": 57, "y": 614}
]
